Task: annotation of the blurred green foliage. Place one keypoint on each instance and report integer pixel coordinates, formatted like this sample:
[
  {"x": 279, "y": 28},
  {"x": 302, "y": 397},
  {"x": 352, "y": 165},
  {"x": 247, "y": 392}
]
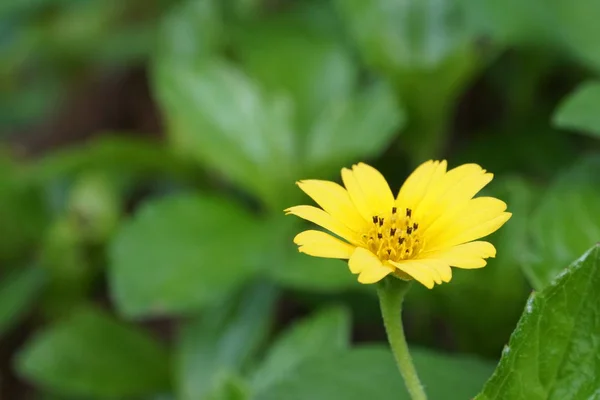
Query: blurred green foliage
[{"x": 135, "y": 268}]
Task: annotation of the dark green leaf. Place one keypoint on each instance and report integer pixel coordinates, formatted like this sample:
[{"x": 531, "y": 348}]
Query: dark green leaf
[
  {"x": 179, "y": 254},
  {"x": 220, "y": 117},
  {"x": 370, "y": 373},
  {"x": 17, "y": 294},
  {"x": 566, "y": 222},
  {"x": 553, "y": 352},
  {"x": 325, "y": 332},
  {"x": 91, "y": 355},
  {"x": 213, "y": 349},
  {"x": 579, "y": 111}
]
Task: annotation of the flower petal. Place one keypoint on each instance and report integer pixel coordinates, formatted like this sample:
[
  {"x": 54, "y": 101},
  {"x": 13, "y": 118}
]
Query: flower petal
[
  {"x": 374, "y": 273},
  {"x": 335, "y": 200},
  {"x": 374, "y": 190},
  {"x": 450, "y": 192},
  {"x": 415, "y": 269},
  {"x": 361, "y": 259},
  {"x": 321, "y": 244},
  {"x": 473, "y": 213},
  {"x": 472, "y": 228},
  {"x": 356, "y": 194},
  {"x": 416, "y": 186},
  {"x": 321, "y": 218},
  {"x": 468, "y": 256}
]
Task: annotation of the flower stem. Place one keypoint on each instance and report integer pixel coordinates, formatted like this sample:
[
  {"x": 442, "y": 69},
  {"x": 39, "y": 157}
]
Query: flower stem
[{"x": 391, "y": 296}]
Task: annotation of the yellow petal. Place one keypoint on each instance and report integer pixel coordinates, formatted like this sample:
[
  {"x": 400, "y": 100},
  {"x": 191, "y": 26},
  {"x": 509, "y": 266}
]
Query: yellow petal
[
  {"x": 447, "y": 194},
  {"x": 321, "y": 218},
  {"x": 474, "y": 232},
  {"x": 374, "y": 273},
  {"x": 321, "y": 244},
  {"x": 376, "y": 192},
  {"x": 356, "y": 194},
  {"x": 468, "y": 256},
  {"x": 417, "y": 184},
  {"x": 335, "y": 200},
  {"x": 415, "y": 269},
  {"x": 361, "y": 259},
  {"x": 475, "y": 212}
]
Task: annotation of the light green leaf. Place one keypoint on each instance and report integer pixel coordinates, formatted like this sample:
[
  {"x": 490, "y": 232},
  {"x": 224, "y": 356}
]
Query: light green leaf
[
  {"x": 190, "y": 30},
  {"x": 328, "y": 331},
  {"x": 358, "y": 127},
  {"x": 213, "y": 349},
  {"x": 296, "y": 53},
  {"x": 553, "y": 352},
  {"x": 566, "y": 222},
  {"x": 179, "y": 254},
  {"x": 370, "y": 373},
  {"x": 581, "y": 110},
  {"x": 92, "y": 355},
  {"x": 17, "y": 294},
  {"x": 219, "y": 116}
]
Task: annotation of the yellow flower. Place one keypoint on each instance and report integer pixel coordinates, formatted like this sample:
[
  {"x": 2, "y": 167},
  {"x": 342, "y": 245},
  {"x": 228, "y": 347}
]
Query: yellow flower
[{"x": 430, "y": 226}]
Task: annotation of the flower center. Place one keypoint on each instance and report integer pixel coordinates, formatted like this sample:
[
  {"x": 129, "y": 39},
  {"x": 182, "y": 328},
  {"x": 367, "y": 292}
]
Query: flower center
[{"x": 394, "y": 236}]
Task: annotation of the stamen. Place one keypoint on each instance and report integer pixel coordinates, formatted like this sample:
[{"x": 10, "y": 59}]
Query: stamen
[
  {"x": 379, "y": 235},
  {"x": 394, "y": 209},
  {"x": 380, "y": 221},
  {"x": 408, "y": 212},
  {"x": 400, "y": 240},
  {"x": 392, "y": 231},
  {"x": 375, "y": 219},
  {"x": 415, "y": 226},
  {"x": 409, "y": 230}
]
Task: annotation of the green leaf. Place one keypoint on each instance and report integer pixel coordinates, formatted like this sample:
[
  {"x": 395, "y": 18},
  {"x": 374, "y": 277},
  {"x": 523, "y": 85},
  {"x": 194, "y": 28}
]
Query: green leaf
[
  {"x": 181, "y": 253},
  {"x": 220, "y": 117},
  {"x": 360, "y": 126},
  {"x": 370, "y": 373},
  {"x": 566, "y": 222},
  {"x": 325, "y": 332},
  {"x": 298, "y": 53},
  {"x": 92, "y": 355},
  {"x": 213, "y": 349},
  {"x": 190, "y": 30},
  {"x": 553, "y": 352},
  {"x": 18, "y": 291},
  {"x": 579, "y": 111}
]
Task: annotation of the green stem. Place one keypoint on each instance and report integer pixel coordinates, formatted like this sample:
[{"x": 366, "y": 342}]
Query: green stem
[{"x": 391, "y": 295}]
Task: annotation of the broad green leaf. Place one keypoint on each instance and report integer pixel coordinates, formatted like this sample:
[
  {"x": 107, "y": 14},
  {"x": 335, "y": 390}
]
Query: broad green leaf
[
  {"x": 220, "y": 117},
  {"x": 18, "y": 292},
  {"x": 370, "y": 373},
  {"x": 327, "y": 331},
  {"x": 214, "y": 348},
  {"x": 358, "y": 127},
  {"x": 180, "y": 253},
  {"x": 581, "y": 110},
  {"x": 90, "y": 355},
  {"x": 553, "y": 352},
  {"x": 296, "y": 53},
  {"x": 190, "y": 30},
  {"x": 566, "y": 222}
]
